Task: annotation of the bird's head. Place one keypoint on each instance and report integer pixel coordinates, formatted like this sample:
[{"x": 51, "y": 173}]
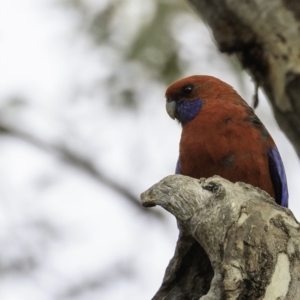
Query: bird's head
[{"x": 186, "y": 97}]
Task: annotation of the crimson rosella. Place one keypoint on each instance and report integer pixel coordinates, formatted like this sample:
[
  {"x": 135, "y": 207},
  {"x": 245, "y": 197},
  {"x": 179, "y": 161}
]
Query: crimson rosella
[{"x": 221, "y": 135}]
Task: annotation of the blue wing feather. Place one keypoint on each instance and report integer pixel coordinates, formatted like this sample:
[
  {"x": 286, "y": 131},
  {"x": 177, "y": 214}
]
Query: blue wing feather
[
  {"x": 177, "y": 170},
  {"x": 278, "y": 177}
]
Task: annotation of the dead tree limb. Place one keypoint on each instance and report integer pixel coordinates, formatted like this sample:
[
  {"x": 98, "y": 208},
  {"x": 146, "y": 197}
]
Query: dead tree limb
[
  {"x": 235, "y": 242},
  {"x": 265, "y": 37}
]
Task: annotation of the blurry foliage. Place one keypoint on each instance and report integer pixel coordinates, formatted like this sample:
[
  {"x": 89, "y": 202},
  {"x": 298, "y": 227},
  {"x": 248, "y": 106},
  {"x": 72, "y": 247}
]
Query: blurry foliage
[
  {"x": 143, "y": 39},
  {"x": 155, "y": 46}
]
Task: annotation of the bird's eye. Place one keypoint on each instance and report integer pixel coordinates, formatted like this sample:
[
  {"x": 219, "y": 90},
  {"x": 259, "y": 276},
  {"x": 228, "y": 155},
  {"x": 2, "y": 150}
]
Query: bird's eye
[{"x": 187, "y": 89}]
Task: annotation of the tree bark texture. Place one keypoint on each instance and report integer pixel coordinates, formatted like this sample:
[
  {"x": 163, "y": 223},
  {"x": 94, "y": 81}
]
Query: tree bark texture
[
  {"x": 265, "y": 37},
  {"x": 235, "y": 242}
]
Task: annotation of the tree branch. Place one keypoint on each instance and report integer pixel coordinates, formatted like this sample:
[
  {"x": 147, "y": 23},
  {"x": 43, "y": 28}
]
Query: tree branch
[
  {"x": 265, "y": 37},
  {"x": 251, "y": 243},
  {"x": 82, "y": 164}
]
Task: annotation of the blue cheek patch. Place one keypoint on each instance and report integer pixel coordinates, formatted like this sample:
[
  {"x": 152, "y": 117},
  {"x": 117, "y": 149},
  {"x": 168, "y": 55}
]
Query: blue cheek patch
[{"x": 187, "y": 110}]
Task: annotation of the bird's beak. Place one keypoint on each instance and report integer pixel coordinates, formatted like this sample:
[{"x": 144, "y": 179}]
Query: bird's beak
[{"x": 171, "y": 108}]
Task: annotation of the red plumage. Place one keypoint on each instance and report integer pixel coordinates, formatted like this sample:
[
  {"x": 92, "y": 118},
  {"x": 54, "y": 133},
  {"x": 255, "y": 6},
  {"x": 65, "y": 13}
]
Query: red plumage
[{"x": 224, "y": 138}]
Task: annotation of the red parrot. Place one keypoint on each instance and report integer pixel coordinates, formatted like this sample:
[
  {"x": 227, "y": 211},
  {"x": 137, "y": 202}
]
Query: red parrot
[{"x": 221, "y": 135}]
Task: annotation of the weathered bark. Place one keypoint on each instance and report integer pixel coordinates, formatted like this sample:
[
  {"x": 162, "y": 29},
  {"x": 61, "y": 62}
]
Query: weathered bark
[
  {"x": 265, "y": 36},
  {"x": 235, "y": 242}
]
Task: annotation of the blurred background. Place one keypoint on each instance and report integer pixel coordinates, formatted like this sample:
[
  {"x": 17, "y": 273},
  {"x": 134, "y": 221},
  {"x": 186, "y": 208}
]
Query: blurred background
[{"x": 83, "y": 131}]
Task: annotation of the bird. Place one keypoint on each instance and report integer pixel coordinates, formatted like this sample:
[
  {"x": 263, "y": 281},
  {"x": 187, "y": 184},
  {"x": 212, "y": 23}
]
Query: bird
[{"x": 222, "y": 135}]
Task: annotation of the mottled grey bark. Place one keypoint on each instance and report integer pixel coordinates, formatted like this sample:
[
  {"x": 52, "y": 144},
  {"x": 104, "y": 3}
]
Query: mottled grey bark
[
  {"x": 235, "y": 242},
  {"x": 265, "y": 36}
]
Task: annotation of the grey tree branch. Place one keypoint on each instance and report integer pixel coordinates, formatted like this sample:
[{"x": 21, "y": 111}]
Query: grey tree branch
[
  {"x": 79, "y": 162},
  {"x": 265, "y": 37},
  {"x": 232, "y": 236}
]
